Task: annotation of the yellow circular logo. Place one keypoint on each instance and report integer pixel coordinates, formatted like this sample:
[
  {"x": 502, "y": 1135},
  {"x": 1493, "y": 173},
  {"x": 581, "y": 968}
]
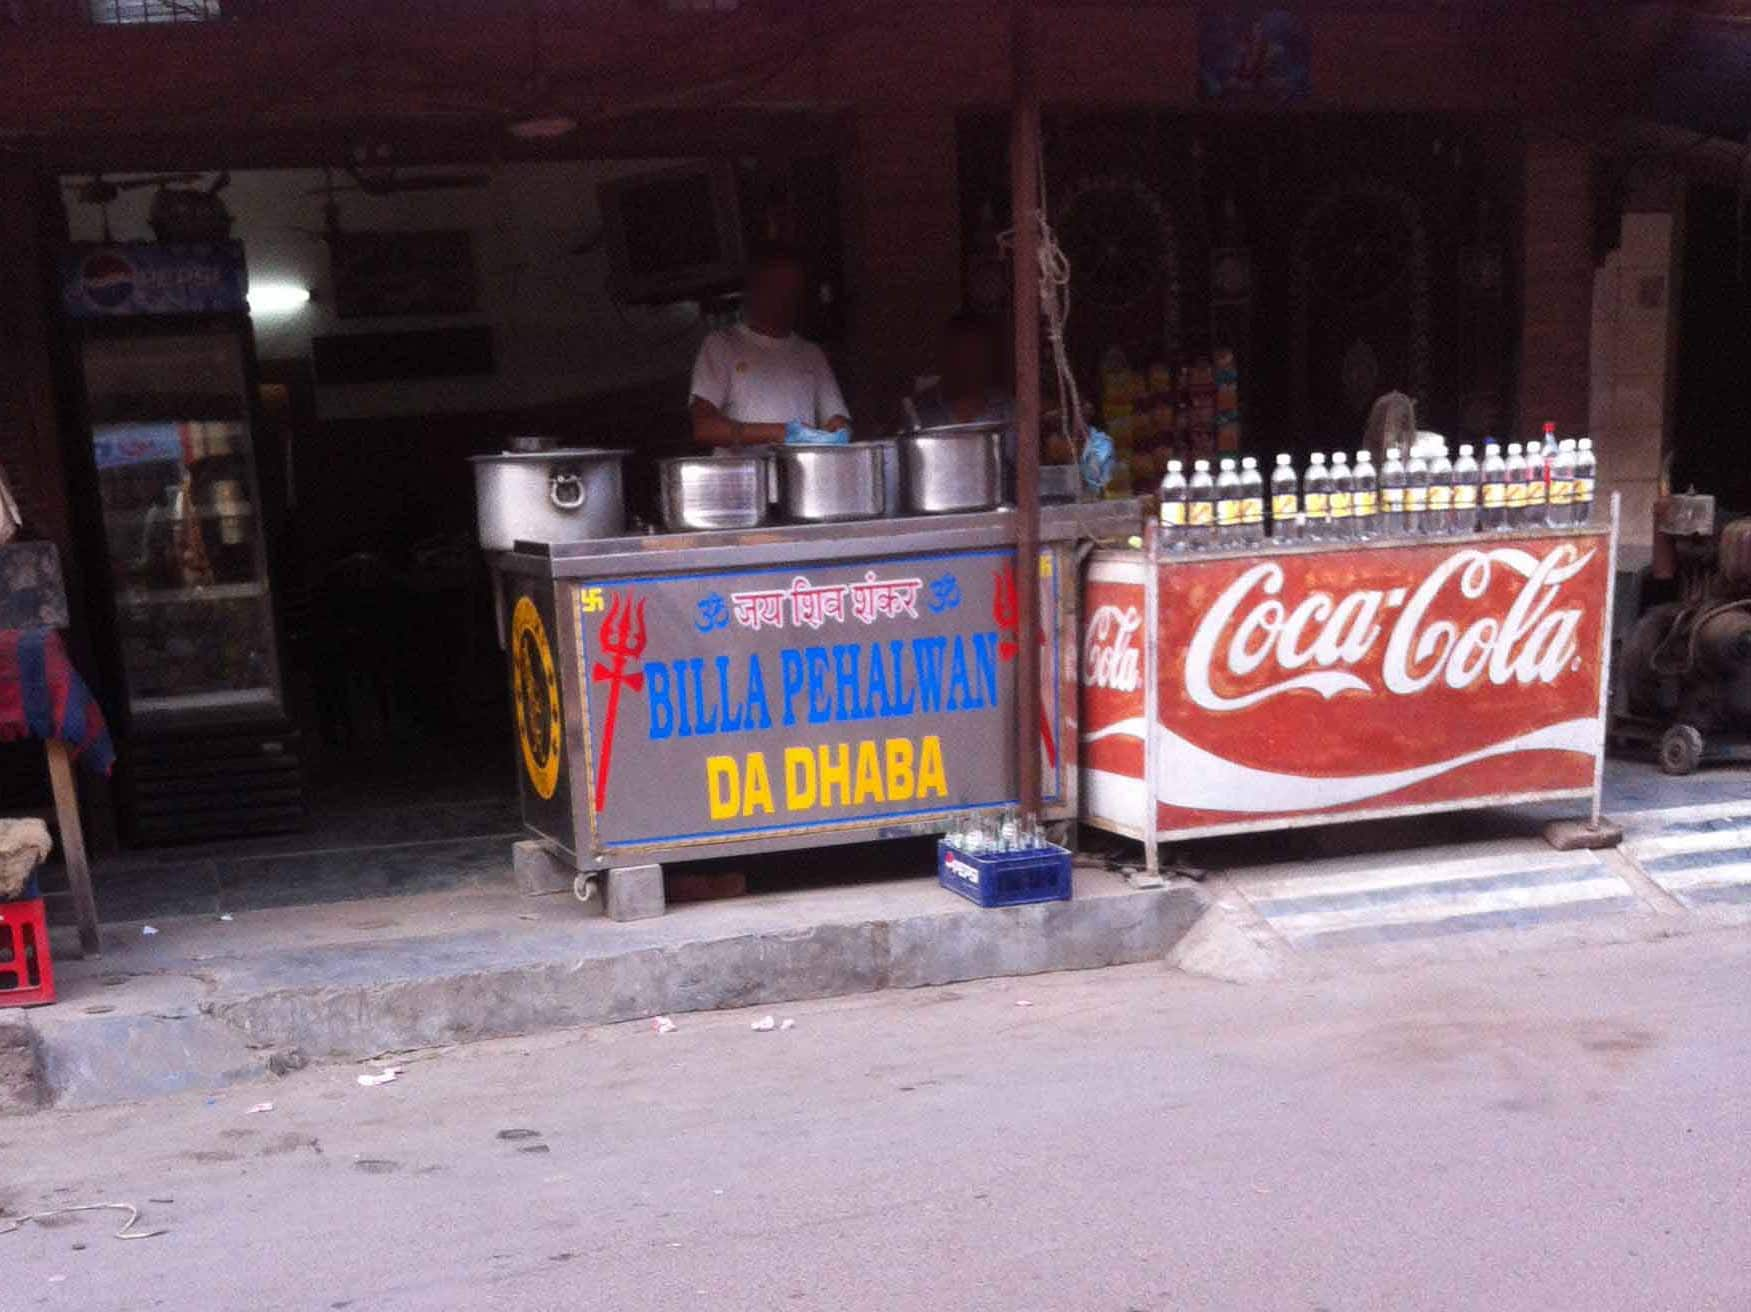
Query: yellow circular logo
[{"x": 535, "y": 687}]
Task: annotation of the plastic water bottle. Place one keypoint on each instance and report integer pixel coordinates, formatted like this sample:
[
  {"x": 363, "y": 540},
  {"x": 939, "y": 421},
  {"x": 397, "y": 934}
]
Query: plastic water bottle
[
  {"x": 1316, "y": 496},
  {"x": 1365, "y": 514},
  {"x": 1515, "y": 468},
  {"x": 1467, "y": 483},
  {"x": 1492, "y": 511},
  {"x": 1392, "y": 494},
  {"x": 1175, "y": 498},
  {"x": 1201, "y": 518},
  {"x": 1285, "y": 500},
  {"x": 1537, "y": 485},
  {"x": 1343, "y": 498},
  {"x": 1440, "y": 521},
  {"x": 1586, "y": 475},
  {"x": 1252, "y": 501},
  {"x": 1559, "y": 512},
  {"x": 1416, "y": 493},
  {"x": 1227, "y": 504}
]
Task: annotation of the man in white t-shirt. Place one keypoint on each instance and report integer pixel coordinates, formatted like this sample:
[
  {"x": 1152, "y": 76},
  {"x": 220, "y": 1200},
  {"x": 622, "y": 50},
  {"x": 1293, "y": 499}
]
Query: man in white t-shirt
[{"x": 753, "y": 381}]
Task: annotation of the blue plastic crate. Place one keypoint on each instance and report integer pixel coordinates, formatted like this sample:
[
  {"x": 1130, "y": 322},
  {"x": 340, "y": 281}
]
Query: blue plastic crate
[{"x": 1005, "y": 879}]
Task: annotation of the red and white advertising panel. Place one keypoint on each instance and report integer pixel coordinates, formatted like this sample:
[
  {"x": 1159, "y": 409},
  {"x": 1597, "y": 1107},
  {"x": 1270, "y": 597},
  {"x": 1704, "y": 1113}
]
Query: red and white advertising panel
[{"x": 1303, "y": 685}]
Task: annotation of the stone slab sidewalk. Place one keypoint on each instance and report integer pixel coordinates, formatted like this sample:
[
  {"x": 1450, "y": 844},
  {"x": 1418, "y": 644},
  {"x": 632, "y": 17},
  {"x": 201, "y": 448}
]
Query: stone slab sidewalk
[{"x": 202, "y": 1002}]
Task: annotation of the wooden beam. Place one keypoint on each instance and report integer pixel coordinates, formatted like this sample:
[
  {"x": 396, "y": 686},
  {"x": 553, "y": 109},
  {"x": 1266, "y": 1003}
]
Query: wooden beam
[{"x": 1024, "y": 182}]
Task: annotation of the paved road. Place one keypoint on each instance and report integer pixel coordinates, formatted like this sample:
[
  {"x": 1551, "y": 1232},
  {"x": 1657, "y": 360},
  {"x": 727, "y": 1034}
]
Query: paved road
[{"x": 1565, "y": 1131}]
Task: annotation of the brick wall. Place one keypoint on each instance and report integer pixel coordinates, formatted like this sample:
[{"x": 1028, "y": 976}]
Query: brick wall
[{"x": 1556, "y": 284}]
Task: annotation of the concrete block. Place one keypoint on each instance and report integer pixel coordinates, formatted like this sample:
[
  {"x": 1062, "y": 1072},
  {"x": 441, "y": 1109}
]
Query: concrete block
[
  {"x": 1570, "y": 835},
  {"x": 538, "y": 870},
  {"x": 21, "y": 1080},
  {"x": 634, "y": 892},
  {"x": 1081, "y": 934},
  {"x": 87, "y": 1061}
]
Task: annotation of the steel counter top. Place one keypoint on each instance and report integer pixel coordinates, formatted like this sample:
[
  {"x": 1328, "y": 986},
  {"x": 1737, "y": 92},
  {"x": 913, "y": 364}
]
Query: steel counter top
[{"x": 605, "y": 558}]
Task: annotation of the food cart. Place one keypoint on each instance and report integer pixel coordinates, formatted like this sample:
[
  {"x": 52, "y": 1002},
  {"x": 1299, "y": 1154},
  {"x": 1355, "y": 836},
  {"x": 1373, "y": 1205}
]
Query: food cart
[
  {"x": 700, "y": 694},
  {"x": 1300, "y": 684}
]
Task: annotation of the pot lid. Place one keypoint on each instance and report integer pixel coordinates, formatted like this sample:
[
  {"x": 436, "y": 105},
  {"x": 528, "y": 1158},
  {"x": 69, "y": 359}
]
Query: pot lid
[{"x": 558, "y": 456}]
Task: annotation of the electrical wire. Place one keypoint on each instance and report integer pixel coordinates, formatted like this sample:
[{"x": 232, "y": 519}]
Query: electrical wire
[{"x": 10, "y": 1223}]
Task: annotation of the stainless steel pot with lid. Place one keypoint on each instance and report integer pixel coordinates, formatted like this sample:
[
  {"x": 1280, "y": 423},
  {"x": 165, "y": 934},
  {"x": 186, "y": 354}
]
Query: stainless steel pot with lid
[
  {"x": 703, "y": 493},
  {"x": 956, "y": 467},
  {"x": 557, "y": 495},
  {"x": 822, "y": 484}
]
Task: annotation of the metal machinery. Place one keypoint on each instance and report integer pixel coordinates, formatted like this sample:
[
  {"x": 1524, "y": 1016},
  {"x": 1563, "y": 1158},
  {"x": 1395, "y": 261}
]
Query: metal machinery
[{"x": 1685, "y": 670}]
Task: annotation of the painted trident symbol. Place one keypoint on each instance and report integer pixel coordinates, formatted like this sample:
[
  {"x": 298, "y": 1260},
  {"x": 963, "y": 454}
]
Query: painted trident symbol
[
  {"x": 622, "y": 637},
  {"x": 1006, "y": 611}
]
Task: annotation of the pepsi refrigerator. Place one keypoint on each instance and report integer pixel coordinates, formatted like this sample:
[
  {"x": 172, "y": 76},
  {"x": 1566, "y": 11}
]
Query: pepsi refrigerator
[{"x": 177, "y": 531}]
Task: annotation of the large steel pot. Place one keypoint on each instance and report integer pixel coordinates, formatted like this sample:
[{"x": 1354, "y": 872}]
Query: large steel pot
[
  {"x": 820, "y": 484},
  {"x": 702, "y": 493},
  {"x": 548, "y": 496},
  {"x": 958, "y": 467}
]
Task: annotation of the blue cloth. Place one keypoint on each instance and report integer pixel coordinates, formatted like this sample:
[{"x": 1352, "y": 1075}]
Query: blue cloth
[
  {"x": 797, "y": 433},
  {"x": 1097, "y": 460}
]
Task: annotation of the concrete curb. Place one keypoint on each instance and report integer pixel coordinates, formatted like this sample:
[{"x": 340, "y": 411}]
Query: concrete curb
[{"x": 355, "y": 1001}]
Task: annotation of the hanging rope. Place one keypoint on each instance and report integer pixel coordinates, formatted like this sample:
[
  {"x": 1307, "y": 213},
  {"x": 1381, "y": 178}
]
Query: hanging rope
[{"x": 1054, "y": 275}]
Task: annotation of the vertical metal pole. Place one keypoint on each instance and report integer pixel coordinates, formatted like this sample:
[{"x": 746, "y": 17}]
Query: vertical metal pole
[
  {"x": 1605, "y": 660},
  {"x": 1024, "y": 184},
  {"x": 1151, "y": 696}
]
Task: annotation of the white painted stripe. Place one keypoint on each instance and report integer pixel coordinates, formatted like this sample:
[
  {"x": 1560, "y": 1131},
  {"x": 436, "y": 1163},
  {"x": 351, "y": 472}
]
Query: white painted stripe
[
  {"x": 1438, "y": 907},
  {"x": 1643, "y": 823},
  {"x": 1707, "y": 840},
  {"x": 1731, "y": 872},
  {"x": 1405, "y": 870}
]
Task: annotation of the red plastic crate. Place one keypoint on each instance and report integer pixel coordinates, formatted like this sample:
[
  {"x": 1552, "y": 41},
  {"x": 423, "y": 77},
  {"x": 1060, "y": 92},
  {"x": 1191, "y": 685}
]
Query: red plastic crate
[{"x": 27, "y": 973}]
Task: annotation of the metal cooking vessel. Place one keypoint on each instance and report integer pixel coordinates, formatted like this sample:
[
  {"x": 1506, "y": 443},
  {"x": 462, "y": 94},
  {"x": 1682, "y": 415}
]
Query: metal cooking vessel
[
  {"x": 548, "y": 496},
  {"x": 701, "y": 493},
  {"x": 954, "y": 468},
  {"x": 1060, "y": 482},
  {"x": 819, "y": 484},
  {"x": 893, "y": 482}
]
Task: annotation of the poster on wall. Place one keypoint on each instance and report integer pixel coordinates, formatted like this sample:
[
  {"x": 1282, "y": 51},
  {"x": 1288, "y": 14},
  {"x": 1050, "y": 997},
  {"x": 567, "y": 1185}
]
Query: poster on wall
[
  {"x": 1253, "y": 54},
  {"x": 386, "y": 275}
]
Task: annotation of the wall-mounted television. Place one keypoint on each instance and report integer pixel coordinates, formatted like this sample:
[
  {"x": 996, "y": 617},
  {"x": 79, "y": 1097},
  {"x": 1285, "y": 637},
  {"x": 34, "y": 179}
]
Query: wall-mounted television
[{"x": 673, "y": 235}]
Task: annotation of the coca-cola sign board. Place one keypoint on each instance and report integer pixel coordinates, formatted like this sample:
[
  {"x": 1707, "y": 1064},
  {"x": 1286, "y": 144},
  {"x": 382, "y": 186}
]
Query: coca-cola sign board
[{"x": 1301, "y": 685}]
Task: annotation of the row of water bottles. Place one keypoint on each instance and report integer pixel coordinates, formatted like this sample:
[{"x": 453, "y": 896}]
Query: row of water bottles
[{"x": 1428, "y": 494}]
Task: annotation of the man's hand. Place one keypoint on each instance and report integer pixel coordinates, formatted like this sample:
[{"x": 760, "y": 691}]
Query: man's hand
[{"x": 711, "y": 427}]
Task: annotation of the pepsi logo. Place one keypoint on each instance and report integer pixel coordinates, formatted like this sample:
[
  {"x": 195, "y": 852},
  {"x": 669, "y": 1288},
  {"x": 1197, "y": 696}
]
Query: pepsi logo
[{"x": 108, "y": 279}]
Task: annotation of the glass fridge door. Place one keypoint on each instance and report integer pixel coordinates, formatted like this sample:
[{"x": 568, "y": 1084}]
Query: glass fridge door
[{"x": 180, "y": 505}]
